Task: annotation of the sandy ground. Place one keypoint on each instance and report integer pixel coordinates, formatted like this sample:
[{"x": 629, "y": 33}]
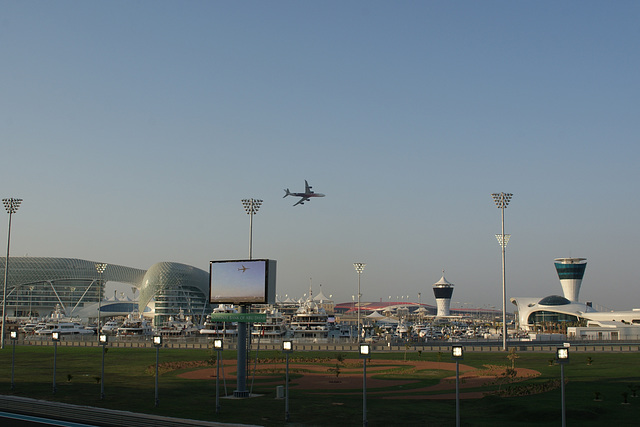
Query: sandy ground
[{"x": 318, "y": 377}]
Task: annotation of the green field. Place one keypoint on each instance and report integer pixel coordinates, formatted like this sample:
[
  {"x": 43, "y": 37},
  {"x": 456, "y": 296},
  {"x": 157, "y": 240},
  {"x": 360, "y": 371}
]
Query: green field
[{"x": 130, "y": 385}]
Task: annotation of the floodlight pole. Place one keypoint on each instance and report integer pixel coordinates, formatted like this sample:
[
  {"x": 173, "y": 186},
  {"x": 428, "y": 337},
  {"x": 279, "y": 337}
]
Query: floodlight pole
[
  {"x": 359, "y": 266},
  {"x": 100, "y": 268},
  {"x": 251, "y": 206},
  {"x": 11, "y": 205},
  {"x": 502, "y": 201}
]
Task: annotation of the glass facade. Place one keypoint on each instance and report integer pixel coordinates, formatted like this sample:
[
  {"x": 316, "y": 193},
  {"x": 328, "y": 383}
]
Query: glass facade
[
  {"x": 554, "y": 300},
  {"x": 570, "y": 271},
  {"x": 36, "y": 286},
  {"x": 173, "y": 287},
  {"x": 543, "y": 316}
]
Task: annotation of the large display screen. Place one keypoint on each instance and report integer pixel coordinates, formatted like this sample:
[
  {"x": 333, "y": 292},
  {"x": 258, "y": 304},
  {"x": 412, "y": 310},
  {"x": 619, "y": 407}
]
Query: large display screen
[{"x": 242, "y": 281}]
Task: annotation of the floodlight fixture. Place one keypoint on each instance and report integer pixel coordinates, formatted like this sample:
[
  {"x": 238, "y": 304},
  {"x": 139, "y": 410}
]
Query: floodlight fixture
[
  {"x": 55, "y": 336},
  {"x": 103, "y": 338},
  {"x": 502, "y": 199},
  {"x": 365, "y": 351},
  {"x": 251, "y": 205},
  {"x": 287, "y": 346},
  {"x": 503, "y": 239},
  {"x": 562, "y": 355},
  {"x": 13, "y": 335},
  {"x": 157, "y": 340},
  {"x": 217, "y": 344},
  {"x": 457, "y": 352},
  {"x": 11, "y": 205}
]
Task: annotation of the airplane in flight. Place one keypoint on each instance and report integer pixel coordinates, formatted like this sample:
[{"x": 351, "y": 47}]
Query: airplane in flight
[
  {"x": 305, "y": 197},
  {"x": 243, "y": 269}
]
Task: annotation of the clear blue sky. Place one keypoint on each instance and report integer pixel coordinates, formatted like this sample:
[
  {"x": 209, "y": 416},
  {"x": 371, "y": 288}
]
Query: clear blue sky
[{"x": 132, "y": 130}]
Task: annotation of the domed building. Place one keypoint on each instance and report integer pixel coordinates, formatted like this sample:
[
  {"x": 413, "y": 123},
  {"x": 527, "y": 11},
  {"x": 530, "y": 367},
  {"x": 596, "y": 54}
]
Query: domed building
[
  {"x": 37, "y": 286},
  {"x": 173, "y": 287}
]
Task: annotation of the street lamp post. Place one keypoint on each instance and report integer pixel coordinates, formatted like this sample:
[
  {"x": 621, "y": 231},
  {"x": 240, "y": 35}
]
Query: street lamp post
[
  {"x": 287, "y": 349},
  {"x": 11, "y": 205},
  {"x": 365, "y": 353},
  {"x": 104, "y": 339},
  {"x": 14, "y": 338},
  {"x": 562, "y": 358},
  {"x": 457, "y": 354},
  {"x": 157, "y": 342},
  {"x": 359, "y": 266},
  {"x": 218, "y": 345},
  {"x": 30, "y": 300},
  {"x": 55, "y": 337},
  {"x": 502, "y": 201},
  {"x": 100, "y": 268}
]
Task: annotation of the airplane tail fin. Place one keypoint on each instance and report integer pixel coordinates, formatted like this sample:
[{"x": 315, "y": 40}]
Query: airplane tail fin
[{"x": 287, "y": 193}]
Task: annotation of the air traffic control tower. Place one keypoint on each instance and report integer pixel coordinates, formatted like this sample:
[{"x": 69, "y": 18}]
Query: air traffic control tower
[
  {"x": 443, "y": 290},
  {"x": 570, "y": 272}
]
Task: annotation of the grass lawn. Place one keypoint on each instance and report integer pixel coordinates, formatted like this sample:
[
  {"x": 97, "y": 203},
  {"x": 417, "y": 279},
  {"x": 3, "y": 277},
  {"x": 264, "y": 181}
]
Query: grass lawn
[{"x": 129, "y": 385}]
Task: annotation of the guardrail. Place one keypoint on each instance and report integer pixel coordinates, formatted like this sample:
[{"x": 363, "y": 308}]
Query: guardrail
[{"x": 302, "y": 345}]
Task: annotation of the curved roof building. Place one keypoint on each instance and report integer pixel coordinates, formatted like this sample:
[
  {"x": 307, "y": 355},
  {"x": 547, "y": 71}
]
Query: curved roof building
[
  {"x": 532, "y": 312},
  {"x": 175, "y": 286},
  {"x": 35, "y": 286}
]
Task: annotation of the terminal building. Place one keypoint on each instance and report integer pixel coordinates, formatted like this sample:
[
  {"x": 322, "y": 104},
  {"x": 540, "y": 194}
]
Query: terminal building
[
  {"x": 38, "y": 287},
  {"x": 566, "y": 309}
]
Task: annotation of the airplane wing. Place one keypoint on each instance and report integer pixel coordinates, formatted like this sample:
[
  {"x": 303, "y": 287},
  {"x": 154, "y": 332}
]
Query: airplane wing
[
  {"x": 301, "y": 201},
  {"x": 307, "y": 187}
]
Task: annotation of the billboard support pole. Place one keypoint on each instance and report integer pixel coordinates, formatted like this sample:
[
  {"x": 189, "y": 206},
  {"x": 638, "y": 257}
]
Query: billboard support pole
[{"x": 242, "y": 358}]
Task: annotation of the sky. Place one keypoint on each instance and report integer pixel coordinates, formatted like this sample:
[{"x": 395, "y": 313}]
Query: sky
[{"x": 133, "y": 130}]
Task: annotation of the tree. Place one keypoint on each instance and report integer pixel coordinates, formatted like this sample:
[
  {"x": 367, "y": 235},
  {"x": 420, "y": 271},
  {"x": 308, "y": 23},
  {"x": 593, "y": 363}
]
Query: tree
[{"x": 512, "y": 356}]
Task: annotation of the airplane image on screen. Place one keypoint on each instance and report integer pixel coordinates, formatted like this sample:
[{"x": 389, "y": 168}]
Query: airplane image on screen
[
  {"x": 243, "y": 269},
  {"x": 306, "y": 196}
]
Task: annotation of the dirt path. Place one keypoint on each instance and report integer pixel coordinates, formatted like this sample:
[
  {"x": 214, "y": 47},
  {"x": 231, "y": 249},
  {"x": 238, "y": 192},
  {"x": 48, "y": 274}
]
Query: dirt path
[{"x": 319, "y": 377}]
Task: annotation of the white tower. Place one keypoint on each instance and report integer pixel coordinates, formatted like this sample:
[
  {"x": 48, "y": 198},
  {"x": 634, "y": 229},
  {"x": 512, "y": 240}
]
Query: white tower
[
  {"x": 570, "y": 272},
  {"x": 443, "y": 290}
]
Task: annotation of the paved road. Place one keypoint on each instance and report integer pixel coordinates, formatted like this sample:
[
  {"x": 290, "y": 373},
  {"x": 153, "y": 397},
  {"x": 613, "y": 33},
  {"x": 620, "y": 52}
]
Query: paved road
[
  {"x": 25, "y": 410},
  {"x": 30, "y": 421}
]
